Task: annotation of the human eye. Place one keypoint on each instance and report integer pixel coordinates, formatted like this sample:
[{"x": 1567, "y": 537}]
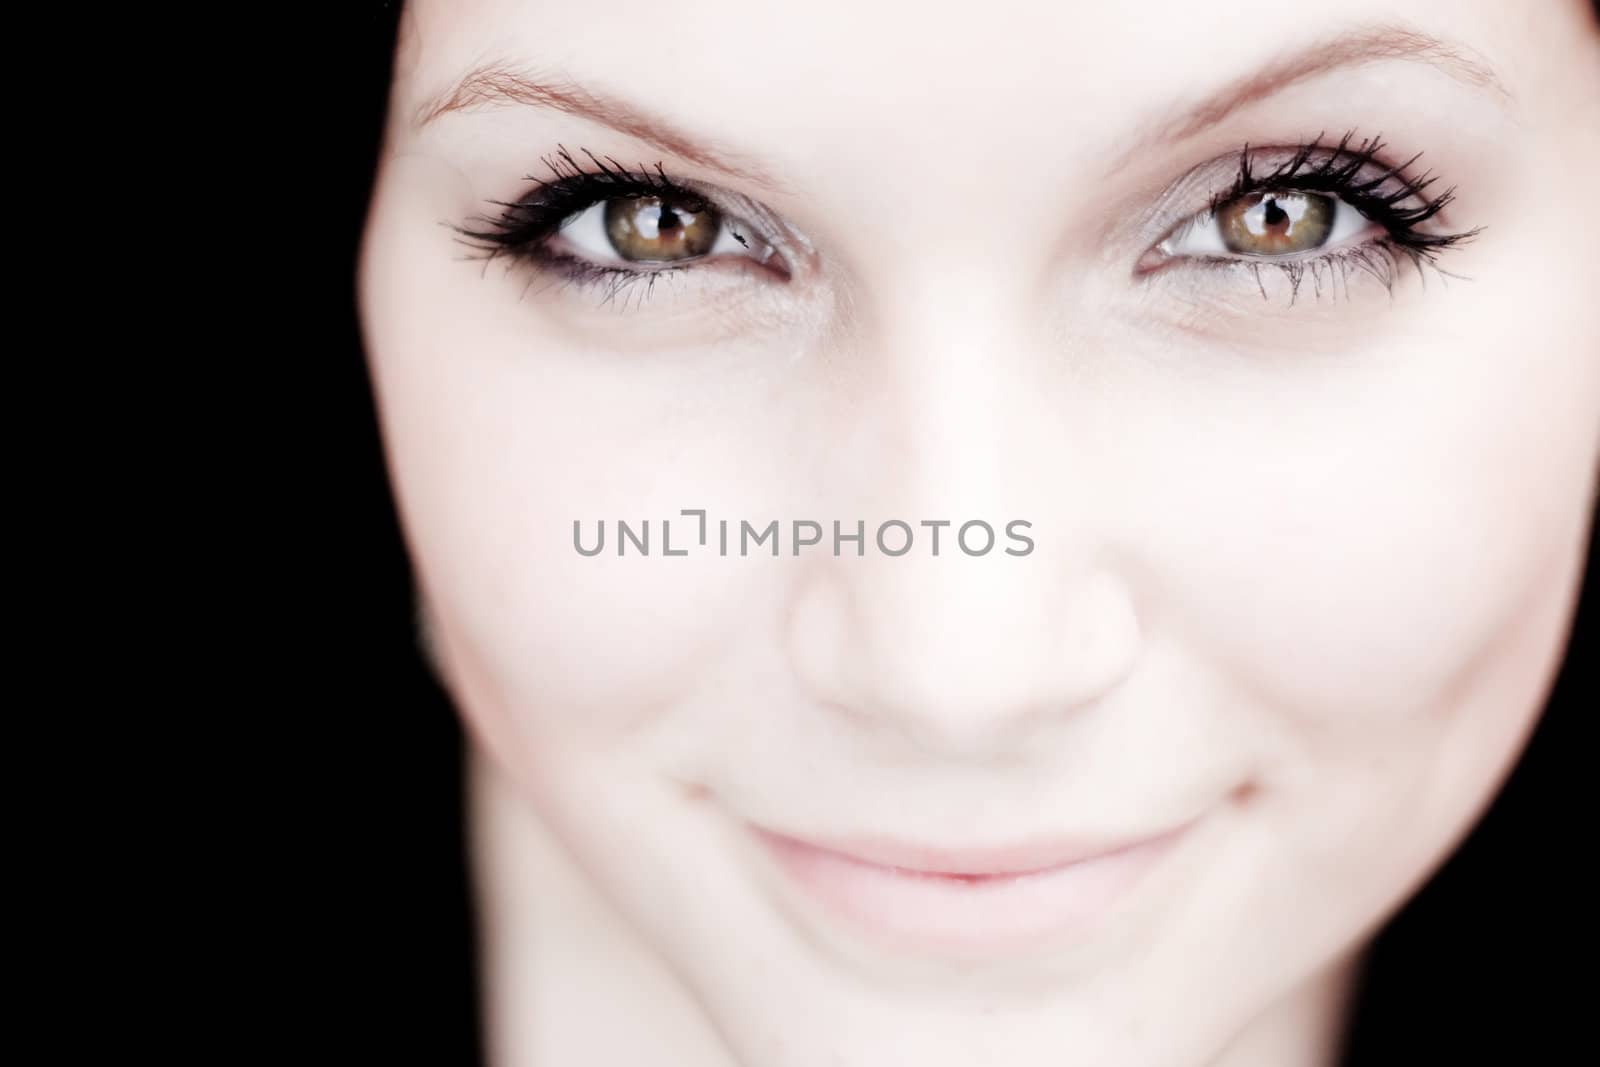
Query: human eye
[
  {"x": 596, "y": 224},
  {"x": 1317, "y": 214}
]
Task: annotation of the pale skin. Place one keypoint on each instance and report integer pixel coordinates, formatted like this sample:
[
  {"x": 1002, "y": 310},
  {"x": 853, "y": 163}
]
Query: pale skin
[{"x": 1304, "y": 570}]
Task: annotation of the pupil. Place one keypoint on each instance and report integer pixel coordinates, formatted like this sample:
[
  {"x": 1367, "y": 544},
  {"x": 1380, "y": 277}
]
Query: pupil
[
  {"x": 668, "y": 220},
  {"x": 1275, "y": 215}
]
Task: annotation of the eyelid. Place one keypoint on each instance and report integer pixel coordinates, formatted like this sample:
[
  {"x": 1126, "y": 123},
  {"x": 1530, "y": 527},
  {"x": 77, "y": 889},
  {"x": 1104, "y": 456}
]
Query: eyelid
[
  {"x": 1182, "y": 202},
  {"x": 1209, "y": 185},
  {"x": 526, "y": 224},
  {"x": 526, "y": 232}
]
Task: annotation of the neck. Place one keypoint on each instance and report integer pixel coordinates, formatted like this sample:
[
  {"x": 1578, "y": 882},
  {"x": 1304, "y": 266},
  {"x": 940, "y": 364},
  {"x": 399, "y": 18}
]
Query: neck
[
  {"x": 565, "y": 979},
  {"x": 1302, "y": 1029}
]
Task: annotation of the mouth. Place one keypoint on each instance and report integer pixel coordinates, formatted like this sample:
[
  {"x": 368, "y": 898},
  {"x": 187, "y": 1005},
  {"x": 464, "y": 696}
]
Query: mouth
[{"x": 973, "y": 901}]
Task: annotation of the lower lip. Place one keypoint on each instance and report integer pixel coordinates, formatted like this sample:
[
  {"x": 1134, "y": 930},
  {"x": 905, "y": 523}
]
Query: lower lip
[{"x": 966, "y": 914}]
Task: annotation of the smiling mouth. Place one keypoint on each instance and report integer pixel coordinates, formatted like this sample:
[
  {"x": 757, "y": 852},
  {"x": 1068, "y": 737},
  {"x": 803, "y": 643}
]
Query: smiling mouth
[{"x": 969, "y": 901}]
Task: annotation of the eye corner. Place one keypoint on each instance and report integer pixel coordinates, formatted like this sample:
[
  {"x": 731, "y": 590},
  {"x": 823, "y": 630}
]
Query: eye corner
[{"x": 1154, "y": 260}]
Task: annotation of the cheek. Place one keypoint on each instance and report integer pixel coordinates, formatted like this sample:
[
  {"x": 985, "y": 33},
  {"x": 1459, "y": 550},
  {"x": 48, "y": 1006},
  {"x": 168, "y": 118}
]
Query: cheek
[
  {"x": 558, "y": 642},
  {"x": 1359, "y": 550},
  {"x": 502, "y": 433}
]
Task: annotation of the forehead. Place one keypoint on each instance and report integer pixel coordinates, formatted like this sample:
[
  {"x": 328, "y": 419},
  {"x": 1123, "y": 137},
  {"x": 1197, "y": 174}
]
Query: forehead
[{"x": 973, "y": 77}]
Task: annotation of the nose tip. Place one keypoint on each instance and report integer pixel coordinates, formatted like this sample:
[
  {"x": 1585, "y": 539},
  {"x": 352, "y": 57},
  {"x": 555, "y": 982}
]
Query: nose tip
[{"x": 964, "y": 656}]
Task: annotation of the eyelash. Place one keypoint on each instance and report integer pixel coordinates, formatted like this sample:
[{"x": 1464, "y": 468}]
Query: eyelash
[
  {"x": 524, "y": 228},
  {"x": 1358, "y": 177}
]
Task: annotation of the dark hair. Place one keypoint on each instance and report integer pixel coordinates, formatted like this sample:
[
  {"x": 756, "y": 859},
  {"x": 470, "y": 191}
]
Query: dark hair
[{"x": 1469, "y": 967}]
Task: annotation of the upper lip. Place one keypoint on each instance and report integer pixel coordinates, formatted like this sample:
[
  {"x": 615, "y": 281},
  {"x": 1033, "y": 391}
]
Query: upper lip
[{"x": 1023, "y": 857}]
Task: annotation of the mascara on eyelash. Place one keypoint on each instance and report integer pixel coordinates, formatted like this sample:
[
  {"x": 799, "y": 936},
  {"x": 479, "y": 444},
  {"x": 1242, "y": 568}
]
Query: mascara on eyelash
[
  {"x": 523, "y": 227},
  {"x": 571, "y": 188},
  {"x": 1338, "y": 173},
  {"x": 1339, "y": 170}
]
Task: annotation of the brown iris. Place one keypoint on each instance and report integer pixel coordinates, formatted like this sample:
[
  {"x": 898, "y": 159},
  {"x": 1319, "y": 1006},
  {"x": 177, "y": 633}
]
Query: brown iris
[
  {"x": 661, "y": 228},
  {"x": 1276, "y": 224}
]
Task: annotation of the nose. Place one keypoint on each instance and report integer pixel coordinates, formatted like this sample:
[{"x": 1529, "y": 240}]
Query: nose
[
  {"x": 965, "y": 657},
  {"x": 965, "y": 652}
]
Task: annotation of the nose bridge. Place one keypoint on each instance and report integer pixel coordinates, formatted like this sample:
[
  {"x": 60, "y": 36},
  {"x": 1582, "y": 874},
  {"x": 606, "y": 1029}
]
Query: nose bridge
[
  {"x": 951, "y": 375},
  {"x": 998, "y": 614}
]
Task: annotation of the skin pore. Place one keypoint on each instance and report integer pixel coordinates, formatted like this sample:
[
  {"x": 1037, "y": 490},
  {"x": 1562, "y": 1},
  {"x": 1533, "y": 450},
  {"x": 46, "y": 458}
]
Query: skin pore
[{"x": 1307, "y": 533}]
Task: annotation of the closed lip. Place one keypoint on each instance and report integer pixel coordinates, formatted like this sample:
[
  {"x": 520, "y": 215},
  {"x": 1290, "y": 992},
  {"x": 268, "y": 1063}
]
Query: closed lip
[
  {"x": 973, "y": 902},
  {"x": 1025, "y": 857}
]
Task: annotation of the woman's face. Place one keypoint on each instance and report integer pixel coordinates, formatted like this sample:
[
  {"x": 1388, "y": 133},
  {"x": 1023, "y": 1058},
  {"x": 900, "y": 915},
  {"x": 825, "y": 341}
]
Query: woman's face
[{"x": 1306, "y": 479}]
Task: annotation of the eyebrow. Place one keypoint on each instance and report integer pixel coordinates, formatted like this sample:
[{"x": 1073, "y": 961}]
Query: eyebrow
[
  {"x": 500, "y": 84},
  {"x": 1369, "y": 44}
]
